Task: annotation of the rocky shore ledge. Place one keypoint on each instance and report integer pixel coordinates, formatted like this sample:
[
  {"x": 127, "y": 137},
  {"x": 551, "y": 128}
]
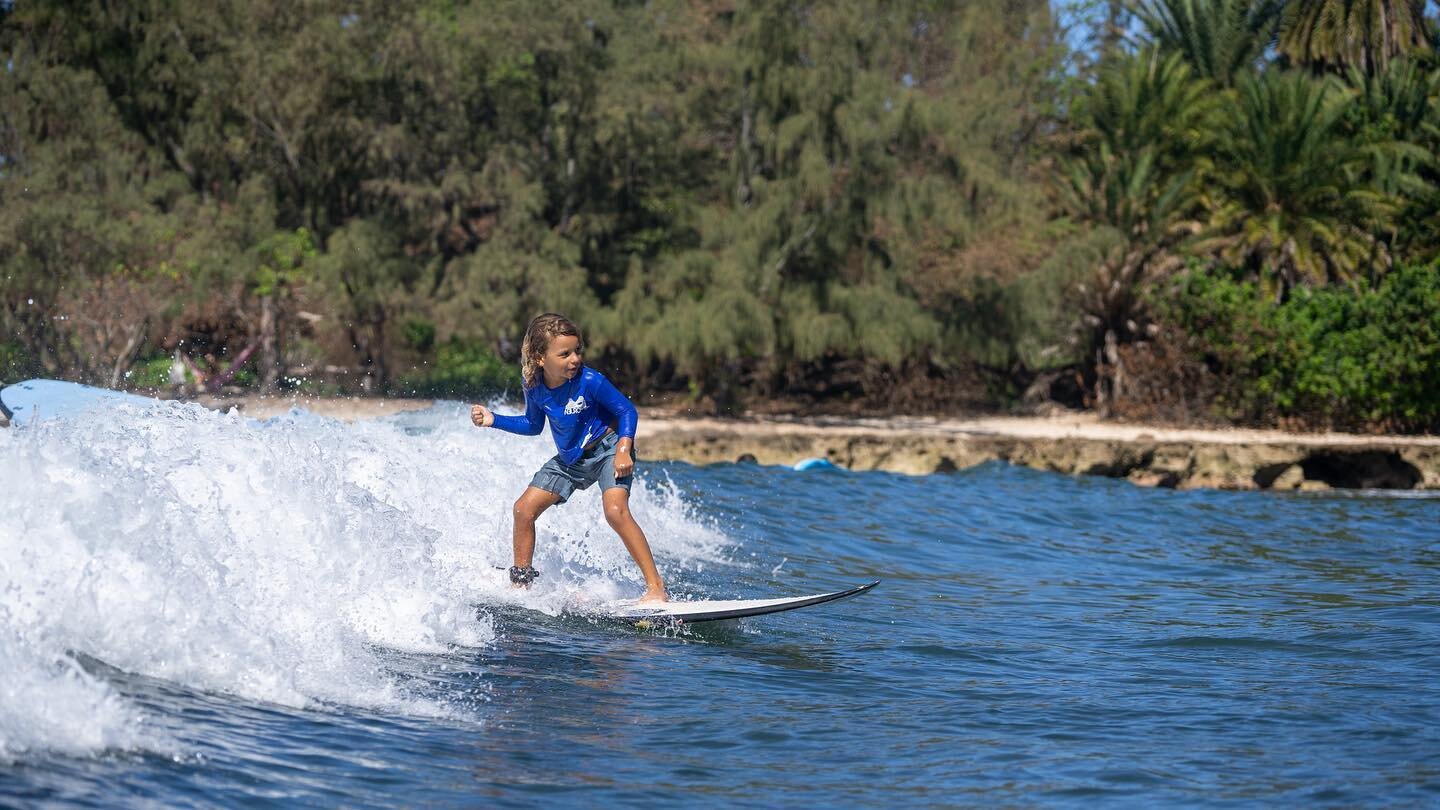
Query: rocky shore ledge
[
  {"x": 1073, "y": 444},
  {"x": 1077, "y": 445}
]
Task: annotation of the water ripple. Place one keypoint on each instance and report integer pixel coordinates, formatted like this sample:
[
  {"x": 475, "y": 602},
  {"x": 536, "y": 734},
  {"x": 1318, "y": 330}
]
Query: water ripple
[{"x": 1037, "y": 639}]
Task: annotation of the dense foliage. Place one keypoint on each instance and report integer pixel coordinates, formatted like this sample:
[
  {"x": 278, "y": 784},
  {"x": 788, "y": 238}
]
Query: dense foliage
[
  {"x": 1331, "y": 357},
  {"x": 918, "y": 205},
  {"x": 1307, "y": 177}
]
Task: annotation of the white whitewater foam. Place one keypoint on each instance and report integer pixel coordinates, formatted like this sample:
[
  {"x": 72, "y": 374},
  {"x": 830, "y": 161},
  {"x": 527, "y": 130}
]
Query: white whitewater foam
[
  {"x": 48, "y": 703},
  {"x": 275, "y": 560}
]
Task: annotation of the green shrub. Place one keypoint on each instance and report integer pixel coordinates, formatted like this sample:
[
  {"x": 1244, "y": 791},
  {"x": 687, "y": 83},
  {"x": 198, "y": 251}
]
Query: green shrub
[
  {"x": 1331, "y": 357},
  {"x": 419, "y": 335},
  {"x": 16, "y": 364},
  {"x": 151, "y": 374},
  {"x": 245, "y": 377},
  {"x": 459, "y": 370}
]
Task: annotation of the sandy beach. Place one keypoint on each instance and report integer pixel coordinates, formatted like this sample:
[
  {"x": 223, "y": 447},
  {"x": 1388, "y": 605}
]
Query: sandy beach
[
  {"x": 1077, "y": 444},
  {"x": 659, "y": 421}
]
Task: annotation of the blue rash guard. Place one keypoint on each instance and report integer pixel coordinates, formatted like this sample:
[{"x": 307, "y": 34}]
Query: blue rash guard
[{"x": 579, "y": 411}]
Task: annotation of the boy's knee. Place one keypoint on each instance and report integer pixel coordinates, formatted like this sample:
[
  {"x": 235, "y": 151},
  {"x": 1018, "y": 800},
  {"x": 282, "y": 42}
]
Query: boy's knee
[
  {"x": 523, "y": 513},
  {"x": 617, "y": 513}
]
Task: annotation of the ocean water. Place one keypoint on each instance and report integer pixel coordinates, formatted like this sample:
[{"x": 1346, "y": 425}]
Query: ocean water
[{"x": 197, "y": 609}]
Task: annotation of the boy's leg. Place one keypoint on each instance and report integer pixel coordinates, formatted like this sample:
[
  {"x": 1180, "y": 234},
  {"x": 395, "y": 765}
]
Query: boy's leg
[
  {"x": 617, "y": 514},
  {"x": 532, "y": 502}
]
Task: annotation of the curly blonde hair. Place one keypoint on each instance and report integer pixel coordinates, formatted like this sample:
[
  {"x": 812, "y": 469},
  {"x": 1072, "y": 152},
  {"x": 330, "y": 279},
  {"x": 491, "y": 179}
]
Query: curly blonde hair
[{"x": 542, "y": 329}]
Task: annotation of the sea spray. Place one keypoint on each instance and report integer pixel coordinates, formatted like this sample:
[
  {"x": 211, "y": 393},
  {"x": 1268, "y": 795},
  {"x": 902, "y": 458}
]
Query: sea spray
[
  {"x": 279, "y": 560},
  {"x": 48, "y": 703}
]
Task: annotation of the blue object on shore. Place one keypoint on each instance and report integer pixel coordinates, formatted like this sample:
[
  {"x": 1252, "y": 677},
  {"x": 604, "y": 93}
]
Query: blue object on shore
[
  {"x": 25, "y": 402},
  {"x": 814, "y": 464}
]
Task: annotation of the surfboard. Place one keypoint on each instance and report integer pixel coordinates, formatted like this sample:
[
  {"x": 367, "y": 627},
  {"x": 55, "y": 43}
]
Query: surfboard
[
  {"x": 25, "y": 402},
  {"x": 719, "y": 609}
]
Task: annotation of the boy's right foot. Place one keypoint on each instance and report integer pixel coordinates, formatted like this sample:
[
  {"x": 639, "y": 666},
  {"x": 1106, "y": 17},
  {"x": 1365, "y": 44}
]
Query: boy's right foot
[{"x": 653, "y": 596}]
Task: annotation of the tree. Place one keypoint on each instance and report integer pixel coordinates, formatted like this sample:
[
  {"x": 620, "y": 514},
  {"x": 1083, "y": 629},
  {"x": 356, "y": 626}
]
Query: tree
[
  {"x": 364, "y": 267},
  {"x": 1145, "y": 127},
  {"x": 1396, "y": 115},
  {"x": 1292, "y": 197},
  {"x": 1364, "y": 34},
  {"x": 866, "y": 145},
  {"x": 87, "y": 246},
  {"x": 1221, "y": 39}
]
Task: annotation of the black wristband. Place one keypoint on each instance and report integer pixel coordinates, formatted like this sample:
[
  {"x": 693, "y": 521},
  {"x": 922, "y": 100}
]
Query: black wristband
[{"x": 523, "y": 575}]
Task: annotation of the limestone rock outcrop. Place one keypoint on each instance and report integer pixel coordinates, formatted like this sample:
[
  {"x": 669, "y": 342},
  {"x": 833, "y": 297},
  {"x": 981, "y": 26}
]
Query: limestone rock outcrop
[{"x": 1190, "y": 463}]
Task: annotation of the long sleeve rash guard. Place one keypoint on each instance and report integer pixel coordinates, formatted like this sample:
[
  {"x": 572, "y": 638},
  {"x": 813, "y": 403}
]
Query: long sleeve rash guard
[{"x": 578, "y": 411}]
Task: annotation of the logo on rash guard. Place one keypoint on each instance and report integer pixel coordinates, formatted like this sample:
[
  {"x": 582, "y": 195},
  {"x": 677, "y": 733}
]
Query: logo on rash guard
[{"x": 575, "y": 406}]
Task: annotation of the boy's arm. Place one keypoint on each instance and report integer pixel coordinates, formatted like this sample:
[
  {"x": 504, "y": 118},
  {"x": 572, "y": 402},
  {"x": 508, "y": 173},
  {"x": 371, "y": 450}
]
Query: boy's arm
[
  {"x": 626, "y": 418},
  {"x": 618, "y": 405},
  {"x": 528, "y": 425}
]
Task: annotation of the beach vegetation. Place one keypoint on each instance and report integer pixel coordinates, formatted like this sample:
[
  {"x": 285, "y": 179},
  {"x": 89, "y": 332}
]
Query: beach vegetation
[
  {"x": 460, "y": 370},
  {"x": 859, "y": 205},
  {"x": 1325, "y": 358}
]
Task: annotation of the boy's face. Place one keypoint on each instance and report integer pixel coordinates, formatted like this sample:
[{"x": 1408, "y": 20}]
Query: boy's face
[{"x": 562, "y": 359}]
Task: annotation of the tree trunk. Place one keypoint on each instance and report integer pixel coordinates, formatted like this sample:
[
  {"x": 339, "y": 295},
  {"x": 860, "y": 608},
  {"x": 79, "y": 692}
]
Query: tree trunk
[
  {"x": 269, "y": 346},
  {"x": 1114, "y": 31},
  {"x": 747, "y": 161},
  {"x": 134, "y": 339},
  {"x": 1109, "y": 374},
  {"x": 370, "y": 350},
  {"x": 1116, "y": 366},
  {"x": 381, "y": 373}
]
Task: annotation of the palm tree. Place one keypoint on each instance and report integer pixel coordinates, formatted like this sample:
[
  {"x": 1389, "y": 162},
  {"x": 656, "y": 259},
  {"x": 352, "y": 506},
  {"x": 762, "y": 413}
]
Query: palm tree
[
  {"x": 1221, "y": 39},
  {"x": 1339, "y": 34},
  {"x": 1397, "y": 116},
  {"x": 1145, "y": 126},
  {"x": 1150, "y": 99},
  {"x": 1402, "y": 94},
  {"x": 1294, "y": 198}
]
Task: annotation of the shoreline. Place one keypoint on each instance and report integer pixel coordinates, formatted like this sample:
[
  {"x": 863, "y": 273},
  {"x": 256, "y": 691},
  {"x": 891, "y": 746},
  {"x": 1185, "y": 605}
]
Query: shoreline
[{"x": 1074, "y": 444}]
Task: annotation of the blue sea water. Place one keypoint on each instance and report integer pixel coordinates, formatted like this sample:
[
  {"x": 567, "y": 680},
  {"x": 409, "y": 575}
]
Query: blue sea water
[{"x": 197, "y": 609}]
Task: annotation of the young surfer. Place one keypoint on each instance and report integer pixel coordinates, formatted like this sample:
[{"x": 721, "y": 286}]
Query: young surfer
[{"x": 593, "y": 425}]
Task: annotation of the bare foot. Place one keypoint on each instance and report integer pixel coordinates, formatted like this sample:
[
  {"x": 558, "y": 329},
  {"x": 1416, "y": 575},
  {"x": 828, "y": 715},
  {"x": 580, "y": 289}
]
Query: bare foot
[{"x": 653, "y": 596}]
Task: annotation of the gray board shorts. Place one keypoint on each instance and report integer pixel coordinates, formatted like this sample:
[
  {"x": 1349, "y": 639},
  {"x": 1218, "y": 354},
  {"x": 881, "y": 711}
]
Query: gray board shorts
[{"x": 597, "y": 463}]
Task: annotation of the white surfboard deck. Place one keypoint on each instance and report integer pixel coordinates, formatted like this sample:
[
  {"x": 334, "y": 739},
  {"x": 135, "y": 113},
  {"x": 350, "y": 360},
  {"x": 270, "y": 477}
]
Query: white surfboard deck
[
  {"x": 29, "y": 401},
  {"x": 718, "y": 609}
]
